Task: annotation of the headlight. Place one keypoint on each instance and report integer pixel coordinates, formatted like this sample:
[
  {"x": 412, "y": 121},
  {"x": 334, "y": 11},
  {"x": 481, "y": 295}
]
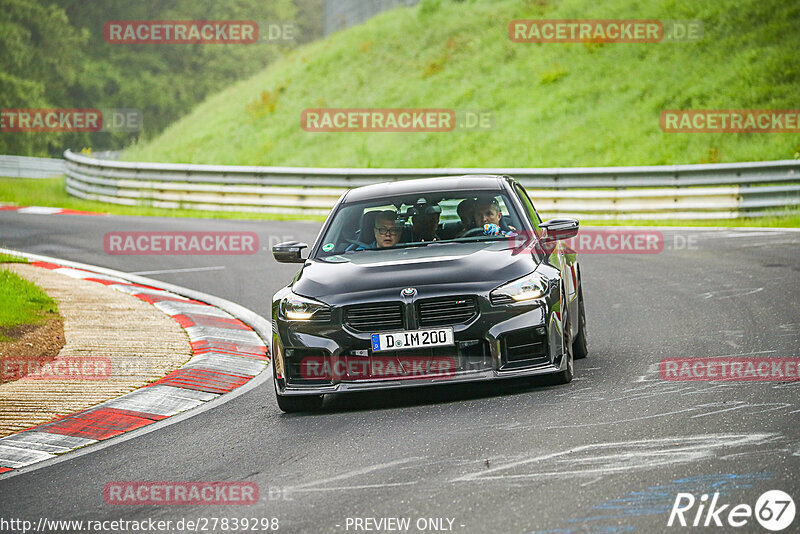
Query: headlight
[
  {"x": 297, "y": 308},
  {"x": 530, "y": 286}
]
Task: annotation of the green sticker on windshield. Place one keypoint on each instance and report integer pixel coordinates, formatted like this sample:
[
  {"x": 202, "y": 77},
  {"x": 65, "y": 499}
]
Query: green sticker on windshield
[{"x": 327, "y": 247}]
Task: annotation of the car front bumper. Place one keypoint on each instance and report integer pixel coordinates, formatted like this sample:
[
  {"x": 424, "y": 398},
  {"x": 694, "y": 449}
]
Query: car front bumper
[{"x": 503, "y": 341}]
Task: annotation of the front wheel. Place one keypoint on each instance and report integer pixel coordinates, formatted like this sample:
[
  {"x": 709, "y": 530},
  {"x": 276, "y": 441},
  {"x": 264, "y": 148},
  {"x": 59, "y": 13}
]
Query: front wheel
[
  {"x": 580, "y": 349},
  {"x": 565, "y": 376}
]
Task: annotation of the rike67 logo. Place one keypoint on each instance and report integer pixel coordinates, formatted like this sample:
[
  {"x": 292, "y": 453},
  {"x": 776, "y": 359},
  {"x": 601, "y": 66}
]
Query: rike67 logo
[{"x": 774, "y": 510}]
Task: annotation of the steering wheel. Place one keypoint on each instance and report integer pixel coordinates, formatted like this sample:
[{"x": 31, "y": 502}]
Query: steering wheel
[
  {"x": 473, "y": 232},
  {"x": 357, "y": 243}
]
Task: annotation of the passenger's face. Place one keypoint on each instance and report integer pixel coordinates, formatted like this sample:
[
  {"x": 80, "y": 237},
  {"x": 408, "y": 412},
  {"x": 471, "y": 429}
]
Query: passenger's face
[
  {"x": 425, "y": 225},
  {"x": 487, "y": 214},
  {"x": 387, "y": 233}
]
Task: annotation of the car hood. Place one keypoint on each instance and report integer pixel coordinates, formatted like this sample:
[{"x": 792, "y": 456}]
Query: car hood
[{"x": 368, "y": 275}]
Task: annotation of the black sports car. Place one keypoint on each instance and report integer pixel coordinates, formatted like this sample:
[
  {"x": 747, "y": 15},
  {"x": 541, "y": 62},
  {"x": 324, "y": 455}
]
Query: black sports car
[{"x": 436, "y": 280}]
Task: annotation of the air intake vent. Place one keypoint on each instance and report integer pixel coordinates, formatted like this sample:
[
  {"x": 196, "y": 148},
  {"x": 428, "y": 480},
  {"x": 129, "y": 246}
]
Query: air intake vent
[
  {"x": 498, "y": 299},
  {"x": 447, "y": 311},
  {"x": 375, "y": 317},
  {"x": 526, "y": 345},
  {"x": 322, "y": 316}
]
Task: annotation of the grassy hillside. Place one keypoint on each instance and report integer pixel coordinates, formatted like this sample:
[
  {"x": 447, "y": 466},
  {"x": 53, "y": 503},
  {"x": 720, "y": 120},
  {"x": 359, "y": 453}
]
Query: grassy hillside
[{"x": 554, "y": 104}]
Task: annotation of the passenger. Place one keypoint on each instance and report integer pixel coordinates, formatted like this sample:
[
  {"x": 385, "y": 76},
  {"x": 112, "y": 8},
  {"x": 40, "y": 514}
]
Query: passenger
[
  {"x": 425, "y": 223},
  {"x": 466, "y": 212}
]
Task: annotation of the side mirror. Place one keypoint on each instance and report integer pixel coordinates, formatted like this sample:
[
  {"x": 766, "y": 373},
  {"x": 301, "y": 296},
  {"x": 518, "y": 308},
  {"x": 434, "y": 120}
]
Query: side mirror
[
  {"x": 289, "y": 252},
  {"x": 559, "y": 229}
]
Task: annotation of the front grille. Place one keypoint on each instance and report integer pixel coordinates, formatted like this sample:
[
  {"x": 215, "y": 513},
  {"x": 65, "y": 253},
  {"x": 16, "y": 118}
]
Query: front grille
[
  {"x": 471, "y": 355},
  {"x": 374, "y": 317},
  {"x": 446, "y": 311}
]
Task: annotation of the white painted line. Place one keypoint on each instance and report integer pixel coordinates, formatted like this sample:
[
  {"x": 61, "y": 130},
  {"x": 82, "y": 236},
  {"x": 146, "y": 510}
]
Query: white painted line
[
  {"x": 132, "y": 290},
  {"x": 160, "y": 400},
  {"x": 45, "y": 441},
  {"x": 226, "y": 363},
  {"x": 187, "y": 270},
  {"x": 73, "y": 273},
  {"x": 591, "y": 482},
  {"x": 15, "y": 457},
  {"x": 231, "y": 335},
  {"x": 170, "y": 307},
  {"x": 356, "y": 473},
  {"x": 345, "y": 488},
  {"x": 39, "y": 210},
  {"x": 603, "y": 458}
]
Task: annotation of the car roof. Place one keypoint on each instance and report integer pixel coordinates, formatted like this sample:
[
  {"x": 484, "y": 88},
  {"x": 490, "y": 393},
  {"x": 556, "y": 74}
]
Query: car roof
[{"x": 467, "y": 182}]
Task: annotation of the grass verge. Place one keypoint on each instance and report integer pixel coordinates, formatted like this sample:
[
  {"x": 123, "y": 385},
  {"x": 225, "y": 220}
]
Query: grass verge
[
  {"x": 51, "y": 192},
  {"x": 8, "y": 258},
  {"x": 779, "y": 219},
  {"x": 553, "y": 104},
  {"x": 23, "y": 303}
]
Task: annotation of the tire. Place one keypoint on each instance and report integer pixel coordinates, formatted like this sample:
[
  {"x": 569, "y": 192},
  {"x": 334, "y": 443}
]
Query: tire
[
  {"x": 580, "y": 349},
  {"x": 565, "y": 376},
  {"x": 296, "y": 403}
]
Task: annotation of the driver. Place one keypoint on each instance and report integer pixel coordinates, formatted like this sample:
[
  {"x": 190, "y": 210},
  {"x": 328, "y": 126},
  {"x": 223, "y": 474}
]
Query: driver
[{"x": 386, "y": 229}]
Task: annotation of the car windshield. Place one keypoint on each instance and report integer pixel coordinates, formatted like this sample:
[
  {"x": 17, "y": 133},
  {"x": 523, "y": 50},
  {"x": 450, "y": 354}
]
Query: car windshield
[{"x": 419, "y": 220}]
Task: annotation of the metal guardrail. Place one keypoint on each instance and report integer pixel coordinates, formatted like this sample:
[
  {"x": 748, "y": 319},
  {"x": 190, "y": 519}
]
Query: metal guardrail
[
  {"x": 726, "y": 190},
  {"x": 341, "y": 14},
  {"x": 656, "y": 192},
  {"x": 26, "y": 167}
]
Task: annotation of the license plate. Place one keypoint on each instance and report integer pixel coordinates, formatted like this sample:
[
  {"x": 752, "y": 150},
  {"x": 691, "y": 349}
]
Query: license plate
[{"x": 412, "y": 339}]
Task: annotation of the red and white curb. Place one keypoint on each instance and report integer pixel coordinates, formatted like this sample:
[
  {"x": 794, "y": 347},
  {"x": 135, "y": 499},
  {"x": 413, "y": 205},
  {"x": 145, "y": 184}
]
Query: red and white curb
[
  {"x": 226, "y": 354},
  {"x": 42, "y": 210}
]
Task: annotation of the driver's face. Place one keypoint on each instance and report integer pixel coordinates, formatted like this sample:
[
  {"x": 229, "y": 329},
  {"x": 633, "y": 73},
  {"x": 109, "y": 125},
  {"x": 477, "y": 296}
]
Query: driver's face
[
  {"x": 487, "y": 214},
  {"x": 387, "y": 233}
]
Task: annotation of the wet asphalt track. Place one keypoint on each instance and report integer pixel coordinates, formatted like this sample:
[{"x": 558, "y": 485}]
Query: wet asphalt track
[{"x": 607, "y": 453}]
